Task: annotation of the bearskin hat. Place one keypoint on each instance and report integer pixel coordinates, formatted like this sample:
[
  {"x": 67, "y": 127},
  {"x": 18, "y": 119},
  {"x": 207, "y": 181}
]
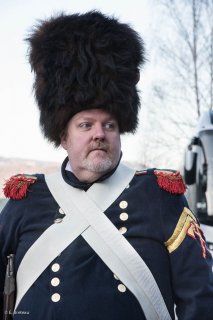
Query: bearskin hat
[{"x": 84, "y": 61}]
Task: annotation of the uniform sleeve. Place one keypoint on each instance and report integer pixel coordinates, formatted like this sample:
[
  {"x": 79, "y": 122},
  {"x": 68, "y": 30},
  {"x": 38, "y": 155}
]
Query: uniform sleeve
[
  {"x": 191, "y": 262},
  {"x": 9, "y": 225}
]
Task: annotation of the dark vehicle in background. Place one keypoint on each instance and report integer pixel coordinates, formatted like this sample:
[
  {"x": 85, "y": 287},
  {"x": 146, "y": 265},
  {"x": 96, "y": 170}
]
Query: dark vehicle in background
[{"x": 198, "y": 174}]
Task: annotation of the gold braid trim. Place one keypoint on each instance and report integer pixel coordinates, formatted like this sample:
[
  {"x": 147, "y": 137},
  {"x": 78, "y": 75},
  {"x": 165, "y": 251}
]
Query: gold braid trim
[{"x": 181, "y": 229}]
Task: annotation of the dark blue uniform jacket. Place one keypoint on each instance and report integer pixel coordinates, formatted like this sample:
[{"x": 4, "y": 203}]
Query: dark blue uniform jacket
[{"x": 77, "y": 285}]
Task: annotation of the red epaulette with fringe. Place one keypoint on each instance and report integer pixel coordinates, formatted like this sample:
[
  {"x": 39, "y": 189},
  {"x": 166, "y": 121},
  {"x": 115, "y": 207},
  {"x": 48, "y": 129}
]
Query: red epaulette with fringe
[
  {"x": 16, "y": 187},
  {"x": 170, "y": 181}
]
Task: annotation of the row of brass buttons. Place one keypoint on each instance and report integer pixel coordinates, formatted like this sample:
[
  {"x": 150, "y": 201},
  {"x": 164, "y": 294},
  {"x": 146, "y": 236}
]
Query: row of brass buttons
[
  {"x": 123, "y": 217},
  {"x": 55, "y": 281}
]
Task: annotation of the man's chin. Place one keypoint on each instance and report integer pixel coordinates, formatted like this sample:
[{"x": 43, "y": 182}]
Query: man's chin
[{"x": 98, "y": 166}]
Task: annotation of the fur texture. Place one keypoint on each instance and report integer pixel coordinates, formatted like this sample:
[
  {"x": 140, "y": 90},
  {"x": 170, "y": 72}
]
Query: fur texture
[{"x": 85, "y": 61}]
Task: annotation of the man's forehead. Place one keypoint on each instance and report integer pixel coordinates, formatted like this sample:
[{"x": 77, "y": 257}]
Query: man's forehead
[{"x": 94, "y": 114}]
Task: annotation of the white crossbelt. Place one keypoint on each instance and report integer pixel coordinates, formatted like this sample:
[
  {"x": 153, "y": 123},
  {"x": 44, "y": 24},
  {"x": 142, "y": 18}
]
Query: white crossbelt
[{"x": 84, "y": 215}]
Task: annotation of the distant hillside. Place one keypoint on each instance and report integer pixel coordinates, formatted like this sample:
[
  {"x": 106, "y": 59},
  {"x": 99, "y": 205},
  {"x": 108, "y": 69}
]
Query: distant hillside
[{"x": 9, "y": 167}]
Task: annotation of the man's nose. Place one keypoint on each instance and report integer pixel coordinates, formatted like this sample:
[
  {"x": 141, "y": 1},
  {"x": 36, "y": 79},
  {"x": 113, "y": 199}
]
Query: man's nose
[{"x": 98, "y": 132}]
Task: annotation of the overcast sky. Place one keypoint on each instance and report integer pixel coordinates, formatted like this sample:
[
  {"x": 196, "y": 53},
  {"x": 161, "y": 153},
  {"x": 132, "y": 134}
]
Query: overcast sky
[{"x": 20, "y": 135}]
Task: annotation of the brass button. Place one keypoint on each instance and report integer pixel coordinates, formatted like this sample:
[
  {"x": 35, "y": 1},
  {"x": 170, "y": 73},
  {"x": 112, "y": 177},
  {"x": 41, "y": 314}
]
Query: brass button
[
  {"x": 115, "y": 277},
  {"x": 121, "y": 287},
  {"x": 61, "y": 211},
  {"x": 124, "y": 216},
  {"x": 123, "y": 230},
  {"x": 123, "y": 204},
  {"x": 55, "y": 297},
  {"x": 58, "y": 220},
  {"x": 55, "y": 282},
  {"x": 55, "y": 267}
]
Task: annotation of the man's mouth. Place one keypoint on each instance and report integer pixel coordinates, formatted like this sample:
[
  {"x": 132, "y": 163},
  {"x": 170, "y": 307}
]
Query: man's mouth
[{"x": 98, "y": 147}]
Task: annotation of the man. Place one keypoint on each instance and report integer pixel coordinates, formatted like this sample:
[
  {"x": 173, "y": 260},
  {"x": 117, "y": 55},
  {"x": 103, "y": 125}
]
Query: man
[{"x": 146, "y": 253}]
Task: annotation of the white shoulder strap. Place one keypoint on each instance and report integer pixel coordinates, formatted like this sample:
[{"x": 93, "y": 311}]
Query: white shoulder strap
[
  {"x": 58, "y": 236},
  {"x": 113, "y": 249},
  {"x": 108, "y": 243}
]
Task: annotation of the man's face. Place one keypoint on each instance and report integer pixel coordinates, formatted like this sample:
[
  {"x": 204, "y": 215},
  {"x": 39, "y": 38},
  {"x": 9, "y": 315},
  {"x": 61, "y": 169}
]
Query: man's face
[{"x": 92, "y": 141}]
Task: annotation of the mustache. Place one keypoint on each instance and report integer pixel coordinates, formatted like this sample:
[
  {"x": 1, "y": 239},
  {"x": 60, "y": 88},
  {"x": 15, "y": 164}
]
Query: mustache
[{"x": 98, "y": 145}]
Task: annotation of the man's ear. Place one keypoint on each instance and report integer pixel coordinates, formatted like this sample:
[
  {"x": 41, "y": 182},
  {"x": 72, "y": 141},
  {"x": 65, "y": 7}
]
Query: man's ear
[{"x": 64, "y": 141}]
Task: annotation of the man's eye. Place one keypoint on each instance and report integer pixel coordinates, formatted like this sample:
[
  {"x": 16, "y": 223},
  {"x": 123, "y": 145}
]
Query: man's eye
[
  {"x": 85, "y": 125},
  {"x": 110, "y": 125}
]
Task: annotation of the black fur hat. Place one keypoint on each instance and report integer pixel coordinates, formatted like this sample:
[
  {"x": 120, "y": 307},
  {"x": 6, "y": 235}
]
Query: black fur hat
[{"x": 84, "y": 61}]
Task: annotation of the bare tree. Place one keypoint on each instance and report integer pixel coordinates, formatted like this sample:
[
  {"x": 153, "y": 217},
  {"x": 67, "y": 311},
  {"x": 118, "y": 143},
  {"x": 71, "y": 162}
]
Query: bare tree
[
  {"x": 188, "y": 51},
  {"x": 185, "y": 88}
]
